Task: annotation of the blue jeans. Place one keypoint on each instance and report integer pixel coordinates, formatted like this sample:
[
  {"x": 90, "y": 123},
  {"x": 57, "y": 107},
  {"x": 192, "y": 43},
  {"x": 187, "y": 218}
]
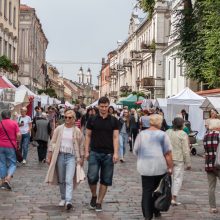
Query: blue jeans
[
  {"x": 100, "y": 162},
  {"x": 24, "y": 146},
  {"x": 123, "y": 141},
  {"x": 66, "y": 164},
  {"x": 7, "y": 162}
]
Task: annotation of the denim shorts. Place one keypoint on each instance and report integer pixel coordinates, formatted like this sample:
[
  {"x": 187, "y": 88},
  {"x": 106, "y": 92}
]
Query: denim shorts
[{"x": 100, "y": 162}]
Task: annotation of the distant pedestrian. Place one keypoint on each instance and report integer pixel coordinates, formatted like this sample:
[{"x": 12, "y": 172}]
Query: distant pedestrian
[
  {"x": 25, "y": 125},
  {"x": 9, "y": 135},
  {"x": 211, "y": 142},
  {"x": 154, "y": 159},
  {"x": 185, "y": 115},
  {"x": 65, "y": 151},
  {"x": 134, "y": 127},
  {"x": 42, "y": 133},
  {"x": 101, "y": 151},
  {"x": 181, "y": 156}
]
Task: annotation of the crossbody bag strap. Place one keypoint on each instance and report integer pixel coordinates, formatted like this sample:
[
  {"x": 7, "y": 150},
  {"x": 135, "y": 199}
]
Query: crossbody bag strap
[{"x": 8, "y": 135}]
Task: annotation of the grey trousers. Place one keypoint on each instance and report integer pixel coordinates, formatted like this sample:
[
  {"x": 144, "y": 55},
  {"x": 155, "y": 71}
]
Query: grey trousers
[{"x": 212, "y": 179}]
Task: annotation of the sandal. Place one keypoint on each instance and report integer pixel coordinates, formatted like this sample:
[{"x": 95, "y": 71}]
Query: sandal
[{"x": 213, "y": 210}]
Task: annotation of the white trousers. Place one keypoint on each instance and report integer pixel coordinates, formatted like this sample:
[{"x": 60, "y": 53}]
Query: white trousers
[{"x": 177, "y": 178}]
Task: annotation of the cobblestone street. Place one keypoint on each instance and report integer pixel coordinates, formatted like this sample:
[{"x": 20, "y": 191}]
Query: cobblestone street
[{"x": 31, "y": 198}]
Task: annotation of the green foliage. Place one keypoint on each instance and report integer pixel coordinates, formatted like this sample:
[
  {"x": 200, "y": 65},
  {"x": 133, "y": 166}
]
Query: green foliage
[
  {"x": 49, "y": 91},
  {"x": 199, "y": 35},
  {"x": 7, "y": 65},
  {"x": 125, "y": 94},
  {"x": 138, "y": 94},
  {"x": 147, "y": 6}
]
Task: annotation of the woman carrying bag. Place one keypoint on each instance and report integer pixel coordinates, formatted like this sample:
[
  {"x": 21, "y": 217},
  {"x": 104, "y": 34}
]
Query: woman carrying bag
[{"x": 65, "y": 152}]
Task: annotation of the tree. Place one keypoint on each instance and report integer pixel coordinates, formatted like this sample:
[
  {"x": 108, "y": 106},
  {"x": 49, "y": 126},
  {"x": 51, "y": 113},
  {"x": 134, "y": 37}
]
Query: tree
[
  {"x": 147, "y": 6},
  {"x": 49, "y": 91}
]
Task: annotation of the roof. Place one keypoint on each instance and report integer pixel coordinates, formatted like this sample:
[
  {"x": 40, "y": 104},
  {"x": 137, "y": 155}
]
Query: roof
[
  {"x": 25, "y": 8},
  {"x": 209, "y": 92},
  {"x": 4, "y": 84}
]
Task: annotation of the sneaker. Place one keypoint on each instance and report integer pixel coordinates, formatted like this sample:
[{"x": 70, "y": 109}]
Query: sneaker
[
  {"x": 93, "y": 202},
  {"x": 69, "y": 206},
  {"x": 62, "y": 203},
  {"x": 24, "y": 162},
  {"x": 6, "y": 185},
  {"x": 175, "y": 203},
  {"x": 157, "y": 215},
  {"x": 98, "y": 207},
  {"x": 122, "y": 160}
]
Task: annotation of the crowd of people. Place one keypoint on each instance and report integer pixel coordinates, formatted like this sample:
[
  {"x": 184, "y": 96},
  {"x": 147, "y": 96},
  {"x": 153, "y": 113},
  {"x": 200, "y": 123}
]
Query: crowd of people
[{"x": 101, "y": 135}]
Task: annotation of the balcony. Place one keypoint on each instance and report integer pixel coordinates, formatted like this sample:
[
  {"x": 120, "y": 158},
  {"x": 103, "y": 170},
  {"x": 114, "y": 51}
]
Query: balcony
[
  {"x": 113, "y": 93},
  {"x": 113, "y": 72},
  {"x": 148, "y": 82},
  {"x": 126, "y": 88},
  {"x": 146, "y": 48},
  {"x": 136, "y": 55},
  {"x": 127, "y": 63},
  {"x": 120, "y": 68}
]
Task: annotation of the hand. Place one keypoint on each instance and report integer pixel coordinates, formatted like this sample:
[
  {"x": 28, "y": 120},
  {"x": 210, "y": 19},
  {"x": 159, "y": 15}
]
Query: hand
[
  {"x": 170, "y": 171},
  {"x": 188, "y": 168},
  {"x": 81, "y": 162},
  {"x": 115, "y": 158},
  {"x": 129, "y": 138},
  {"x": 86, "y": 155},
  {"x": 49, "y": 157}
]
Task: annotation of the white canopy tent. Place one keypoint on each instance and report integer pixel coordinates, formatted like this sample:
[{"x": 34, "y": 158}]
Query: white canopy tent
[
  {"x": 162, "y": 103},
  {"x": 30, "y": 93},
  {"x": 211, "y": 103},
  {"x": 191, "y": 102},
  {"x": 69, "y": 105}
]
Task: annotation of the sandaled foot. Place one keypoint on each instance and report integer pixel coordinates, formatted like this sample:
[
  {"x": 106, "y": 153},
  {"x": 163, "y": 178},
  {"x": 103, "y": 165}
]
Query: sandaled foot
[{"x": 213, "y": 210}]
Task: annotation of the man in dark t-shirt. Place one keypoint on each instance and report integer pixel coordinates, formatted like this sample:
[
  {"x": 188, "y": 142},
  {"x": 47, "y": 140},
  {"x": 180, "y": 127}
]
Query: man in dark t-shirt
[{"x": 101, "y": 151}]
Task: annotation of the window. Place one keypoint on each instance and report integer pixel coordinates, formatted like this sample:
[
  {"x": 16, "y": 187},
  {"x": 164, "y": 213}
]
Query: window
[
  {"x": 174, "y": 68},
  {"x": 0, "y": 46},
  {"x": 9, "y": 52},
  {"x": 5, "y": 48},
  {"x": 5, "y": 9},
  {"x": 14, "y": 18},
  {"x": 169, "y": 71},
  {"x": 10, "y": 13}
]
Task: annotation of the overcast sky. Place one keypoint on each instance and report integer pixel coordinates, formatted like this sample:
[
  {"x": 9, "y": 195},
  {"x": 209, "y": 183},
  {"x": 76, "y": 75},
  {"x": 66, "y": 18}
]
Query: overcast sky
[{"x": 82, "y": 30}]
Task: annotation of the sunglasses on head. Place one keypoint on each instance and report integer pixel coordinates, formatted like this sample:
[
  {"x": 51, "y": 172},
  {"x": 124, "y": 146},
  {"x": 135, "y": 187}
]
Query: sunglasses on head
[{"x": 68, "y": 117}]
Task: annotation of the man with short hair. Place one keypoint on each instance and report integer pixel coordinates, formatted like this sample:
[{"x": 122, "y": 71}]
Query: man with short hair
[{"x": 102, "y": 136}]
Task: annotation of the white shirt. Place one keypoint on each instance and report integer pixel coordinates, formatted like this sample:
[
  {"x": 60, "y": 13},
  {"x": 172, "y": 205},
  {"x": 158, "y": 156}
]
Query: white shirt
[
  {"x": 26, "y": 120},
  {"x": 67, "y": 141}
]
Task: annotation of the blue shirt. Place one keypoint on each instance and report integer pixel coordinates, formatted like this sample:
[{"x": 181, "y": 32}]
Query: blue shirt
[{"x": 150, "y": 147}]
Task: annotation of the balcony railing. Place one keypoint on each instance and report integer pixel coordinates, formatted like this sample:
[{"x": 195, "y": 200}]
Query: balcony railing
[
  {"x": 136, "y": 55},
  {"x": 127, "y": 63},
  {"x": 113, "y": 93},
  {"x": 148, "y": 82},
  {"x": 125, "y": 88}
]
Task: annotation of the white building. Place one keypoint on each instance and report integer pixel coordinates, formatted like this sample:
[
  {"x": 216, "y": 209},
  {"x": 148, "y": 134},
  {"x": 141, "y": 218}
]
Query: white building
[
  {"x": 9, "y": 17},
  {"x": 140, "y": 64}
]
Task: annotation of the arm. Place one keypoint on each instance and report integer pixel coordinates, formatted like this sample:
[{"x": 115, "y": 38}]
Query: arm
[
  {"x": 169, "y": 161},
  {"x": 51, "y": 145},
  {"x": 137, "y": 145},
  {"x": 115, "y": 145},
  {"x": 186, "y": 152},
  {"x": 87, "y": 142},
  {"x": 30, "y": 126}
]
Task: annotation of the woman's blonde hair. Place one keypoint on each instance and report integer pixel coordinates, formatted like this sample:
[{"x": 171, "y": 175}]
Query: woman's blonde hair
[
  {"x": 214, "y": 124},
  {"x": 70, "y": 111},
  {"x": 156, "y": 120}
]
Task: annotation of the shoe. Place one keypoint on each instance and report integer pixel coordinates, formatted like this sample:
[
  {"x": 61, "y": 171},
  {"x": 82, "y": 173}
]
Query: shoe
[
  {"x": 175, "y": 203},
  {"x": 122, "y": 160},
  {"x": 24, "y": 162},
  {"x": 69, "y": 206},
  {"x": 157, "y": 215},
  {"x": 93, "y": 202},
  {"x": 62, "y": 203},
  {"x": 98, "y": 207},
  {"x": 130, "y": 150},
  {"x": 6, "y": 185},
  {"x": 213, "y": 210}
]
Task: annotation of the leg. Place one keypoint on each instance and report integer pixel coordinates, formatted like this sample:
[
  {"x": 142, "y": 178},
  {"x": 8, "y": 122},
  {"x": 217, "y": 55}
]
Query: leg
[
  {"x": 106, "y": 175},
  {"x": 39, "y": 151},
  {"x": 70, "y": 171},
  {"x": 61, "y": 169},
  {"x": 26, "y": 145},
  {"x": 178, "y": 172},
  {"x": 3, "y": 165},
  {"x": 212, "y": 184},
  {"x": 125, "y": 144},
  {"x": 44, "y": 151},
  {"x": 121, "y": 146},
  {"x": 11, "y": 162}
]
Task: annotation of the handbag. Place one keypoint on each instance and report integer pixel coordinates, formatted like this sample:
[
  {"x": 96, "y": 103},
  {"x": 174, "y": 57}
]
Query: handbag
[
  {"x": 217, "y": 157},
  {"x": 17, "y": 152},
  {"x": 163, "y": 194}
]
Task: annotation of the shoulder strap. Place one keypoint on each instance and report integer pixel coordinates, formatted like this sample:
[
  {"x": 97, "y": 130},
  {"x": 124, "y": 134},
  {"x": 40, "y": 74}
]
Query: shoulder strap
[{"x": 7, "y": 135}]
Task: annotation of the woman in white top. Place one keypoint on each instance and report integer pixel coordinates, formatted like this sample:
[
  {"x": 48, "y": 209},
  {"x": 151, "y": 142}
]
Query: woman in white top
[{"x": 65, "y": 150}]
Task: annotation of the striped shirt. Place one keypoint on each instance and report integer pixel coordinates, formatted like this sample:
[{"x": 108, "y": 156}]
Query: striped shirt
[{"x": 210, "y": 142}]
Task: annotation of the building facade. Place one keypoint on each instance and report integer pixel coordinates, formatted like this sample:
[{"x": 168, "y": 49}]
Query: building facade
[
  {"x": 137, "y": 64},
  {"x": 32, "y": 50},
  {"x": 9, "y": 26}
]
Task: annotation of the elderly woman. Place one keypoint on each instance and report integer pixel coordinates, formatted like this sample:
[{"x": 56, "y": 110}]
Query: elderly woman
[
  {"x": 181, "y": 155},
  {"x": 9, "y": 135},
  {"x": 211, "y": 143},
  {"x": 153, "y": 149},
  {"x": 65, "y": 150}
]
